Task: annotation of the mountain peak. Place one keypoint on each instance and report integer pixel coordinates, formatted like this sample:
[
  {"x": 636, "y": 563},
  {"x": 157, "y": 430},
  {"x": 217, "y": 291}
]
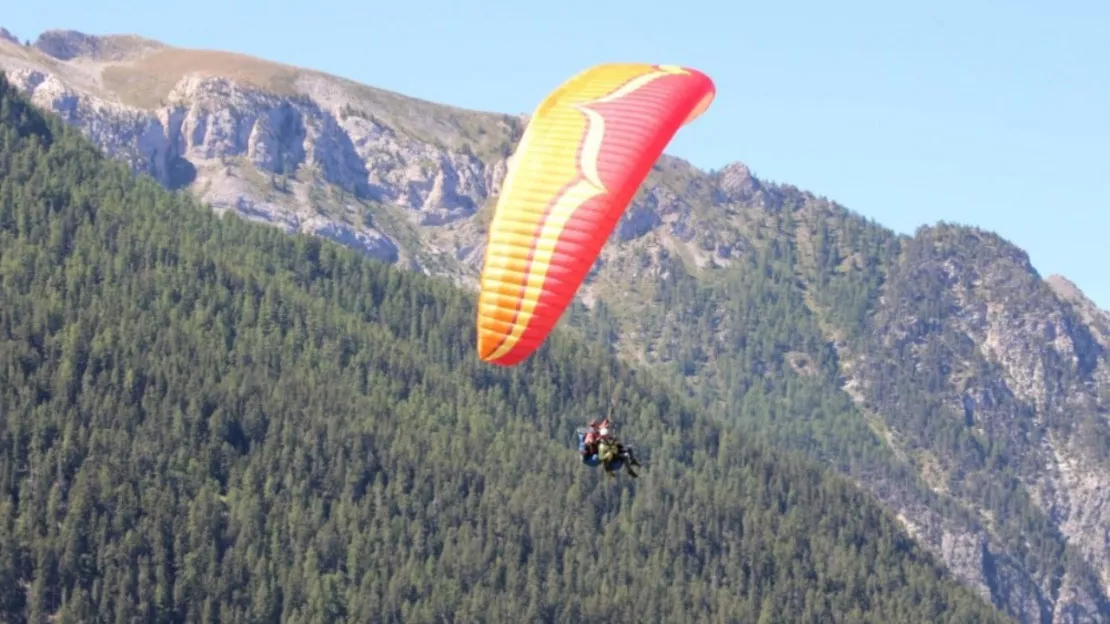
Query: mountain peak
[
  {"x": 7, "y": 35},
  {"x": 66, "y": 45},
  {"x": 1065, "y": 288},
  {"x": 737, "y": 182},
  {"x": 1096, "y": 318},
  {"x": 1069, "y": 291}
]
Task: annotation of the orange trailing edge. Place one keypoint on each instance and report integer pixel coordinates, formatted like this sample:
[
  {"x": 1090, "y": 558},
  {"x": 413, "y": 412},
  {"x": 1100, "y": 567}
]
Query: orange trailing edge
[{"x": 585, "y": 152}]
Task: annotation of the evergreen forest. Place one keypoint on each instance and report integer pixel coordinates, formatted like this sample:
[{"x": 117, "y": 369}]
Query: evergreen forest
[{"x": 204, "y": 419}]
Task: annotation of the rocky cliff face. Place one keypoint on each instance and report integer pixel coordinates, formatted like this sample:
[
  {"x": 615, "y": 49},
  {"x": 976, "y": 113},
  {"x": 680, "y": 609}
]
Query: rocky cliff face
[
  {"x": 990, "y": 385},
  {"x": 296, "y": 149},
  {"x": 1019, "y": 375}
]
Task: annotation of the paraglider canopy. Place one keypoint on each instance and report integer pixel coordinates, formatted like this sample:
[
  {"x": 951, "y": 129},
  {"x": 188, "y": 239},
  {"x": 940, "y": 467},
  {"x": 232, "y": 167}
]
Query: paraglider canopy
[{"x": 585, "y": 152}]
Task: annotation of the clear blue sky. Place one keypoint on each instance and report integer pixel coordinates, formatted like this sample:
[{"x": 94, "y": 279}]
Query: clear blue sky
[{"x": 994, "y": 114}]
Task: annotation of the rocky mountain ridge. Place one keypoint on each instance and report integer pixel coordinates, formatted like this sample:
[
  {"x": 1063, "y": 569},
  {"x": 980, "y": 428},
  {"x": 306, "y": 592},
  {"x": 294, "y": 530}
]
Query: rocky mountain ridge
[
  {"x": 297, "y": 149},
  {"x": 1010, "y": 357}
]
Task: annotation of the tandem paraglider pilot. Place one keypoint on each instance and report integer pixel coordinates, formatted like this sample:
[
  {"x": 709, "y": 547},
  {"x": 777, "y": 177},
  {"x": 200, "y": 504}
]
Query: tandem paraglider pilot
[{"x": 597, "y": 445}]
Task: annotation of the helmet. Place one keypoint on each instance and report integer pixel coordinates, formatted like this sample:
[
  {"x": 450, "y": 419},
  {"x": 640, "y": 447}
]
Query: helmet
[{"x": 604, "y": 431}]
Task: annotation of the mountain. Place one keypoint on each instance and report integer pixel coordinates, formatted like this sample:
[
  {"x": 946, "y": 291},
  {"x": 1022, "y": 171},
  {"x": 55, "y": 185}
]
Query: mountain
[
  {"x": 288, "y": 146},
  {"x": 937, "y": 371},
  {"x": 206, "y": 420}
]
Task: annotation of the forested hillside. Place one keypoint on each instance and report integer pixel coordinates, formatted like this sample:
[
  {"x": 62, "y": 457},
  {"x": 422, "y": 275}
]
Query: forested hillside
[
  {"x": 938, "y": 371},
  {"x": 206, "y": 420}
]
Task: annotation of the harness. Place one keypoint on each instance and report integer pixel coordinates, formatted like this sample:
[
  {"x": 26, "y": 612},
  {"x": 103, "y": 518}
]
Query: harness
[{"x": 608, "y": 449}]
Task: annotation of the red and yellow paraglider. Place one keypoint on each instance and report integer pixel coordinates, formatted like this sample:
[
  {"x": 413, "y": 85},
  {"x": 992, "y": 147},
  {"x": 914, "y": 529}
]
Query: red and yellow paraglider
[{"x": 585, "y": 152}]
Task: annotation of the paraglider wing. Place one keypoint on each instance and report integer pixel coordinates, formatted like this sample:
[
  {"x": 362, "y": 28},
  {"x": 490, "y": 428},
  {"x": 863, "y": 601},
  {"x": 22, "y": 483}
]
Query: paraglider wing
[{"x": 585, "y": 152}]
